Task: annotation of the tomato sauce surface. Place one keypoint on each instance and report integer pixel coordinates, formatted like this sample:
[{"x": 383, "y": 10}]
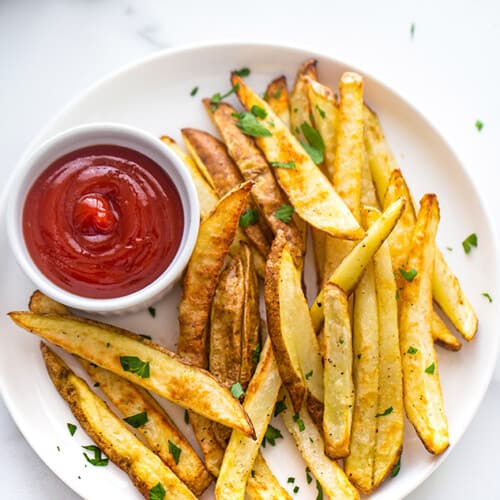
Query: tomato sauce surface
[{"x": 103, "y": 221}]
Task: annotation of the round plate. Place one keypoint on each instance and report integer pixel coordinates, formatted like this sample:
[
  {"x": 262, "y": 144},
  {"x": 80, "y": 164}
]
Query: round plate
[{"x": 154, "y": 94}]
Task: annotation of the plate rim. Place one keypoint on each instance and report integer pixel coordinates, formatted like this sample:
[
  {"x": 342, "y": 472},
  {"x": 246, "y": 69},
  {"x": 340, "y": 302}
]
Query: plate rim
[{"x": 233, "y": 44}]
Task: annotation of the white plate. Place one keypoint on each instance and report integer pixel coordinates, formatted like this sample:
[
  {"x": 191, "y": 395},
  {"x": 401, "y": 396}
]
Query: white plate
[{"x": 155, "y": 94}]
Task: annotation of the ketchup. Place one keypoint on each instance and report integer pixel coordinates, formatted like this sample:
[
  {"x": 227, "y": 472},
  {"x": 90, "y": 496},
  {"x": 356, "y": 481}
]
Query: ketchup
[{"x": 103, "y": 221}]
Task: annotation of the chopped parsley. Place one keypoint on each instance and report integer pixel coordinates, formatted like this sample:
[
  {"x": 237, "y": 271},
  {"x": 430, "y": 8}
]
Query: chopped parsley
[
  {"x": 175, "y": 451},
  {"x": 243, "y": 72},
  {"x": 218, "y": 97},
  {"x": 290, "y": 165},
  {"x": 280, "y": 407},
  {"x": 387, "y": 411},
  {"x": 296, "y": 489},
  {"x": 359, "y": 356},
  {"x": 72, "y": 428},
  {"x": 237, "y": 390},
  {"x": 258, "y": 111},
  {"x": 157, "y": 492},
  {"x": 320, "y": 491},
  {"x": 290, "y": 480},
  {"x": 341, "y": 341},
  {"x": 408, "y": 275},
  {"x": 449, "y": 249},
  {"x": 308, "y": 475},
  {"x": 320, "y": 111},
  {"x": 252, "y": 473},
  {"x": 412, "y": 350},
  {"x": 194, "y": 91},
  {"x": 284, "y": 213},
  {"x": 412, "y": 30},
  {"x": 430, "y": 369},
  {"x": 469, "y": 242},
  {"x": 479, "y": 125},
  {"x": 277, "y": 94},
  {"x": 308, "y": 375},
  {"x": 152, "y": 311},
  {"x": 295, "y": 110},
  {"x": 137, "y": 420},
  {"x": 271, "y": 435},
  {"x": 98, "y": 460},
  {"x": 396, "y": 469},
  {"x": 249, "y": 217},
  {"x": 488, "y": 296},
  {"x": 135, "y": 365},
  {"x": 299, "y": 422},
  {"x": 249, "y": 125},
  {"x": 256, "y": 354},
  {"x": 315, "y": 146}
]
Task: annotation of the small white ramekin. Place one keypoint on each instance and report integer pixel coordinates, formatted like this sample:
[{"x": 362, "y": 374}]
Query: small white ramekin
[{"x": 90, "y": 135}]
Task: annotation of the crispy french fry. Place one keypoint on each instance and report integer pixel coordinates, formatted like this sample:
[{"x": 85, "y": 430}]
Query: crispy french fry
[
  {"x": 208, "y": 199},
  {"x": 446, "y": 289},
  {"x": 153, "y": 367},
  {"x": 359, "y": 465},
  {"x": 423, "y": 396},
  {"x": 442, "y": 335},
  {"x": 41, "y": 303},
  {"x": 368, "y": 193},
  {"x": 338, "y": 380},
  {"x": 212, "y": 154},
  {"x": 310, "y": 193},
  {"x": 310, "y": 444},
  {"x": 349, "y": 272},
  {"x": 242, "y": 451},
  {"x": 145, "y": 469},
  {"x": 279, "y": 100},
  {"x": 262, "y": 483},
  {"x": 212, "y": 451},
  {"x": 250, "y": 329},
  {"x": 253, "y": 166},
  {"x": 159, "y": 429},
  {"x": 389, "y": 439}
]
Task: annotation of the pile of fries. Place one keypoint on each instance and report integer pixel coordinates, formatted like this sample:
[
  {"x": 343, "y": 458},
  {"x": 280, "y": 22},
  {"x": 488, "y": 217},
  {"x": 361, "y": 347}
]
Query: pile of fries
[{"x": 341, "y": 374}]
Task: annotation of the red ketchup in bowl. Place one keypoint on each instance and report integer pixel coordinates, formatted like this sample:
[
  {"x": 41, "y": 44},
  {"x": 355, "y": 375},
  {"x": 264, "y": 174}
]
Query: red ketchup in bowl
[{"x": 103, "y": 221}]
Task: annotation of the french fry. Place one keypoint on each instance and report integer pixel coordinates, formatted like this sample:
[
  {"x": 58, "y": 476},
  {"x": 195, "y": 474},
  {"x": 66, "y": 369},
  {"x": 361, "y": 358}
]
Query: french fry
[
  {"x": 262, "y": 483},
  {"x": 152, "y": 367},
  {"x": 389, "y": 439},
  {"x": 338, "y": 380},
  {"x": 159, "y": 430},
  {"x": 277, "y": 97},
  {"x": 400, "y": 242},
  {"x": 212, "y": 154},
  {"x": 291, "y": 331},
  {"x": 145, "y": 469},
  {"x": 359, "y": 465},
  {"x": 310, "y": 444},
  {"x": 310, "y": 193},
  {"x": 446, "y": 289},
  {"x": 242, "y": 451},
  {"x": 423, "y": 396},
  {"x": 41, "y": 304},
  {"x": 349, "y": 272},
  {"x": 212, "y": 451},
  {"x": 368, "y": 193},
  {"x": 208, "y": 199},
  {"x": 253, "y": 166}
]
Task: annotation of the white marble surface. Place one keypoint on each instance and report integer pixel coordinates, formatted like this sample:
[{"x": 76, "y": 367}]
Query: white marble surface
[{"x": 52, "y": 49}]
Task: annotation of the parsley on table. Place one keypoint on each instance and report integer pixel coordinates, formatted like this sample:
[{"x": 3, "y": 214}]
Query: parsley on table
[
  {"x": 290, "y": 480},
  {"x": 271, "y": 435},
  {"x": 412, "y": 30},
  {"x": 299, "y": 422},
  {"x": 284, "y": 213},
  {"x": 152, "y": 311},
  {"x": 315, "y": 146},
  {"x": 280, "y": 407},
  {"x": 479, "y": 125},
  {"x": 430, "y": 369},
  {"x": 243, "y": 72},
  {"x": 412, "y": 350},
  {"x": 396, "y": 469},
  {"x": 308, "y": 475},
  {"x": 296, "y": 489},
  {"x": 289, "y": 165},
  {"x": 72, "y": 428},
  {"x": 469, "y": 242},
  {"x": 488, "y": 296},
  {"x": 320, "y": 491},
  {"x": 237, "y": 390},
  {"x": 194, "y": 91},
  {"x": 99, "y": 460},
  {"x": 249, "y": 217},
  {"x": 408, "y": 275},
  {"x": 218, "y": 97},
  {"x": 175, "y": 451},
  {"x": 135, "y": 365},
  {"x": 387, "y": 411},
  {"x": 157, "y": 492},
  {"x": 137, "y": 420}
]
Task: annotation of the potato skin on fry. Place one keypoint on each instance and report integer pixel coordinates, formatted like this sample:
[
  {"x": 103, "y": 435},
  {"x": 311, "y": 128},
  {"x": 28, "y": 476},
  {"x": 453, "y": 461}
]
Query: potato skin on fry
[{"x": 144, "y": 468}]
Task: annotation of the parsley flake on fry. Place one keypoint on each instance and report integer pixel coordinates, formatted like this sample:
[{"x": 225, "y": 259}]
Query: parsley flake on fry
[
  {"x": 135, "y": 365},
  {"x": 137, "y": 420},
  {"x": 248, "y": 217},
  {"x": 408, "y": 275},
  {"x": 284, "y": 213},
  {"x": 175, "y": 451}
]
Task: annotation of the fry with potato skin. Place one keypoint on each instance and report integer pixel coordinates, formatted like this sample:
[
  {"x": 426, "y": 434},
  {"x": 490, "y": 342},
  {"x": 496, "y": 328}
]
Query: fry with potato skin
[
  {"x": 212, "y": 154},
  {"x": 338, "y": 379},
  {"x": 308, "y": 190},
  {"x": 423, "y": 396},
  {"x": 277, "y": 97},
  {"x": 253, "y": 166},
  {"x": 242, "y": 451},
  {"x": 144, "y": 468},
  {"x": 310, "y": 445},
  {"x": 349, "y": 272}
]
